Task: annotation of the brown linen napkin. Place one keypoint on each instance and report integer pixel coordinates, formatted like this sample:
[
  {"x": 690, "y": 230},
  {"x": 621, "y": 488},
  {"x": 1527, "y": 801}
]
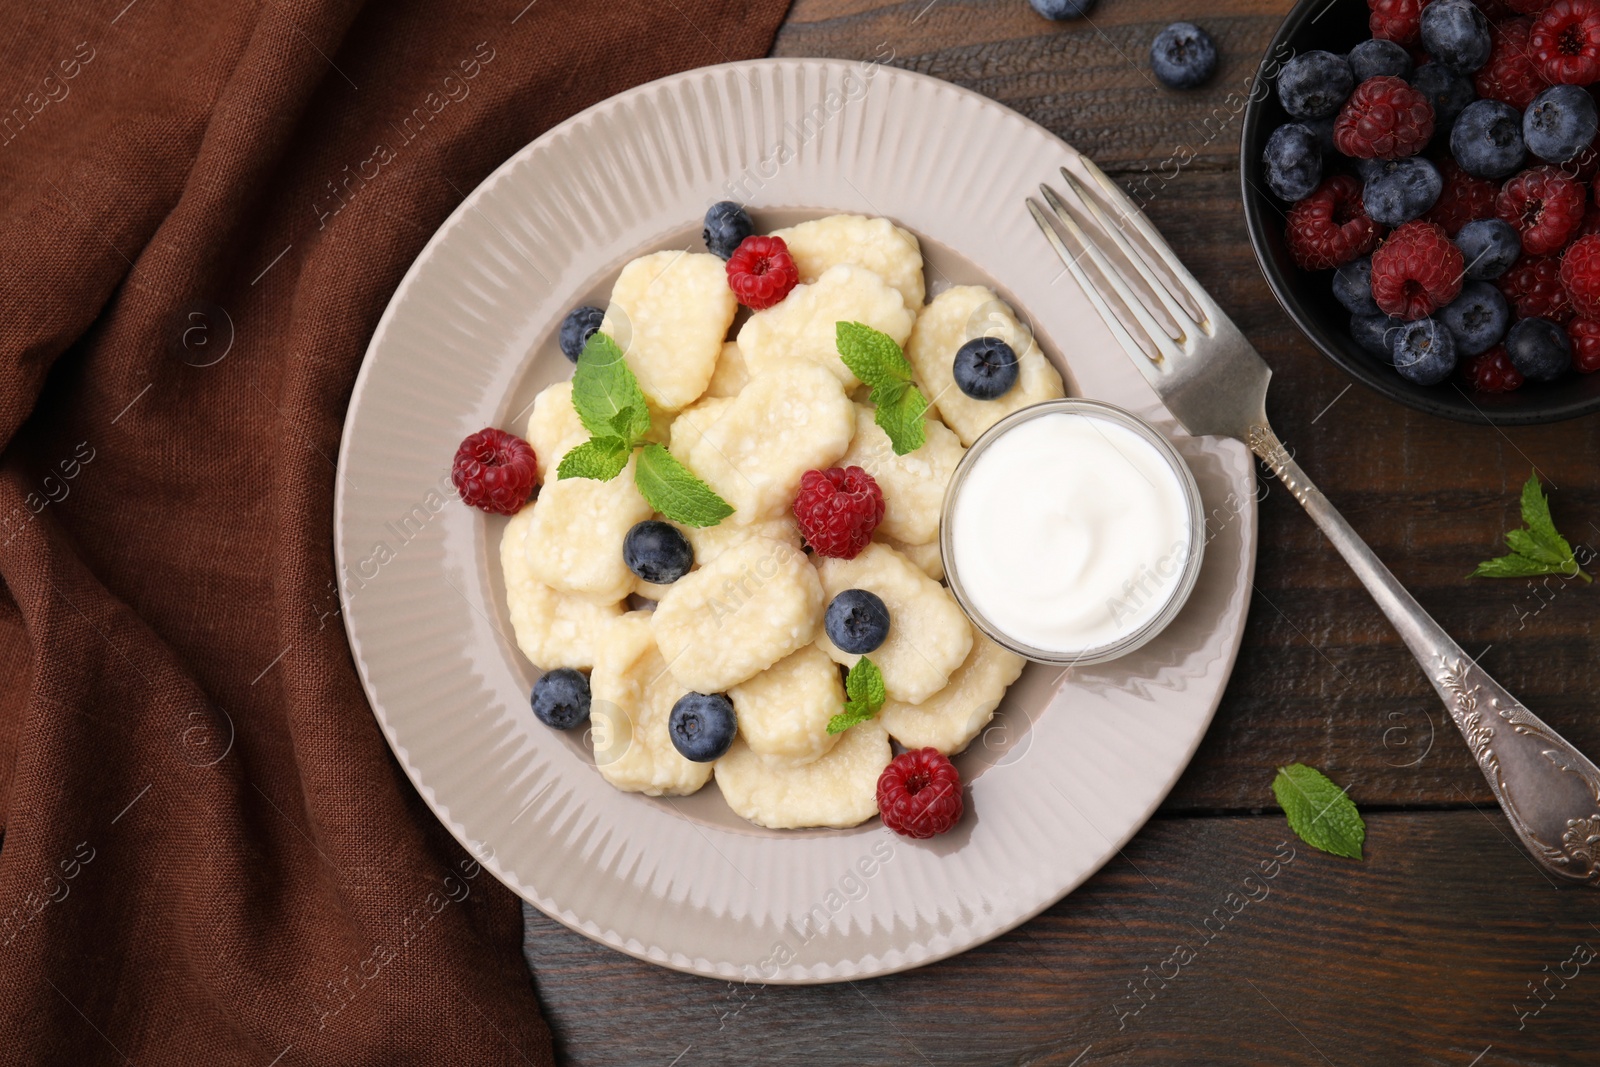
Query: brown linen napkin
[{"x": 210, "y": 855}]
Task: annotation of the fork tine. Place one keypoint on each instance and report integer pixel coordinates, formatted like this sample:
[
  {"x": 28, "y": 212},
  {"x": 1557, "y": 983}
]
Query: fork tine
[
  {"x": 1156, "y": 332},
  {"x": 1130, "y": 252},
  {"x": 1135, "y": 351},
  {"x": 1129, "y": 212}
]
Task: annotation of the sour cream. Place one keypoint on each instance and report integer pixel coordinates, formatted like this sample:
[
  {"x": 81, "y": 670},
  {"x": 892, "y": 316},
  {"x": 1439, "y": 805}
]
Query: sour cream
[{"x": 1071, "y": 532}]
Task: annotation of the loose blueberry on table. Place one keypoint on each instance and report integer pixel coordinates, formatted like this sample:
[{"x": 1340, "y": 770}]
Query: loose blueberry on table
[
  {"x": 1183, "y": 56},
  {"x": 1465, "y": 144}
]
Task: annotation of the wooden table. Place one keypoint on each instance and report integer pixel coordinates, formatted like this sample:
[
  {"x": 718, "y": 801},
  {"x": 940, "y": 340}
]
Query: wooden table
[{"x": 1445, "y": 945}]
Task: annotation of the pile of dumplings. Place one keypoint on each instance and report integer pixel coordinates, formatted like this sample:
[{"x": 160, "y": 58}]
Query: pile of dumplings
[{"x": 750, "y": 416}]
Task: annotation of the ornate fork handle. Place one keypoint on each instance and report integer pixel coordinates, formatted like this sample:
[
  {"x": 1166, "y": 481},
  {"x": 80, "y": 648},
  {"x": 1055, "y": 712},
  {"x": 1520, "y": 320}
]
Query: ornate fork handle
[{"x": 1550, "y": 791}]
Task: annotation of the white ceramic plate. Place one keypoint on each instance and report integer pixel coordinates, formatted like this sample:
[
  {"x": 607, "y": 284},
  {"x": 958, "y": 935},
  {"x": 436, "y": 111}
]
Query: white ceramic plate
[{"x": 1073, "y": 766}]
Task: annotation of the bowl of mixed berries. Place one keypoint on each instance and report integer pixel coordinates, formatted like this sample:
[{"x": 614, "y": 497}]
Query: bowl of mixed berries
[{"x": 1419, "y": 181}]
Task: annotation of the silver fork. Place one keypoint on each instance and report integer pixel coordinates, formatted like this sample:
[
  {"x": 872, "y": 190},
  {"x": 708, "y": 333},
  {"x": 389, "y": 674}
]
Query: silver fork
[{"x": 1213, "y": 380}]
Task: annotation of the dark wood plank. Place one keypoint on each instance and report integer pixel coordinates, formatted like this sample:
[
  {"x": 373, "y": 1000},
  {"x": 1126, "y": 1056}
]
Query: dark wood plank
[
  {"x": 1322, "y": 678},
  {"x": 1422, "y": 953}
]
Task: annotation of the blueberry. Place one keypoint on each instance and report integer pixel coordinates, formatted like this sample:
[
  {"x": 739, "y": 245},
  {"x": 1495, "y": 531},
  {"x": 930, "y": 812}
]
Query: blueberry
[
  {"x": 1367, "y": 169},
  {"x": 1456, "y": 34},
  {"x": 1060, "y": 10},
  {"x": 1293, "y": 162},
  {"x": 726, "y": 225},
  {"x": 1487, "y": 140},
  {"x": 857, "y": 621},
  {"x": 1352, "y": 287},
  {"x": 1489, "y": 247},
  {"x": 1477, "y": 318},
  {"x": 1372, "y": 59},
  {"x": 1314, "y": 84},
  {"x": 1539, "y": 349},
  {"x": 985, "y": 368},
  {"x": 561, "y": 698},
  {"x": 1560, "y": 123},
  {"x": 576, "y": 329},
  {"x": 1374, "y": 333},
  {"x": 1424, "y": 351},
  {"x": 1183, "y": 55},
  {"x": 702, "y": 726},
  {"x": 657, "y": 552},
  {"x": 1447, "y": 91},
  {"x": 1401, "y": 190}
]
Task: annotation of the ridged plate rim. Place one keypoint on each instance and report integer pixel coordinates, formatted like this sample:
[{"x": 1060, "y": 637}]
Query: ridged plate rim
[{"x": 925, "y": 902}]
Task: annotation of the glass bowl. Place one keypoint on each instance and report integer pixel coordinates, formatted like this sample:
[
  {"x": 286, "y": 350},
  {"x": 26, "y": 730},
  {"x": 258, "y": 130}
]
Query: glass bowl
[{"x": 1177, "y": 591}]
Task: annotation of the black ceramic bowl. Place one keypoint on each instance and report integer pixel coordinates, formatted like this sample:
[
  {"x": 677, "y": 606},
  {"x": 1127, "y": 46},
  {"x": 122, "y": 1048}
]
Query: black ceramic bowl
[{"x": 1336, "y": 26}]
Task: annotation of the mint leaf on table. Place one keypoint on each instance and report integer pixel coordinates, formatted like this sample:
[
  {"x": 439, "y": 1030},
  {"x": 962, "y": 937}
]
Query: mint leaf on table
[
  {"x": 1537, "y": 548},
  {"x": 605, "y": 393},
  {"x": 1319, "y": 812},
  {"x": 875, "y": 358},
  {"x": 672, "y": 489},
  {"x": 601, "y": 458},
  {"x": 865, "y": 694}
]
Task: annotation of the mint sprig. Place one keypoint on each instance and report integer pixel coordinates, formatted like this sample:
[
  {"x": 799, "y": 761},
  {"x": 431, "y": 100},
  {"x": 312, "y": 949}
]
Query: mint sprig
[
  {"x": 1536, "y": 548},
  {"x": 863, "y": 687},
  {"x": 874, "y": 357},
  {"x": 612, "y": 407},
  {"x": 1319, "y": 812}
]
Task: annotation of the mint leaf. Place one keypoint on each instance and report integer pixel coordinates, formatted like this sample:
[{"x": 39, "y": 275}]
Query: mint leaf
[
  {"x": 1525, "y": 543},
  {"x": 600, "y": 458},
  {"x": 1512, "y": 566},
  {"x": 1538, "y": 548},
  {"x": 604, "y": 390},
  {"x": 672, "y": 489},
  {"x": 870, "y": 354},
  {"x": 874, "y": 357},
  {"x": 1319, "y": 812},
  {"x": 900, "y": 408},
  {"x": 863, "y": 688},
  {"x": 1536, "y": 515},
  {"x": 625, "y": 423}
]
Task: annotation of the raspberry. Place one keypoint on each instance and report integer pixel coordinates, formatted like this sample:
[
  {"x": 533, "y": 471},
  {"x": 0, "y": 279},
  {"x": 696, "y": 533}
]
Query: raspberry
[
  {"x": 1330, "y": 227},
  {"x": 1565, "y": 42},
  {"x": 1544, "y": 205},
  {"x": 1463, "y": 200},
  {"x": 837, "y": 510},
  {"x": 1510, "y": 75},
  {"x": 919, "y": 794},
  {"x": 494, "y": 471},
  {"x": 1383, "y": 119},
  {"x": 1533, "y": 286},
  {"x": 1580, "y": 276},
  {"x": 1585, "y": 337},
  {"x": 1396, "y": 20},
  {"x": 1590, "y": 223},
  {"x": 1492, "y": 372},
  {"x": 761, "y": 272},
  {"x": 1416, "y": 271}
]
